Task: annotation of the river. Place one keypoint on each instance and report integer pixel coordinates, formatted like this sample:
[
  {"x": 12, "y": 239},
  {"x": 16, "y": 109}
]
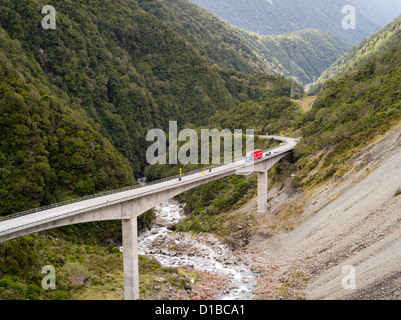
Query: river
[{"x": 203, "y": 252}]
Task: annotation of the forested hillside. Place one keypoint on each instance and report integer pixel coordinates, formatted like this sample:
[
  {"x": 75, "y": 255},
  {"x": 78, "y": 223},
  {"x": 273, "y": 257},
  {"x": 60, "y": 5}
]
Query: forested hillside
[
  {"x": 128, "y": 70},
  {"x": 215, "y": 39},
  {"x": 234, "y": 48},
  {"x": 284, "y": 16},
  {"x": 349, "y": 113},
  {"x": 303, "y": 54},
  {"x": 360, "y": 53},
  {"x": 76, "y": 104},
  {"x": 48, "y": 152}
]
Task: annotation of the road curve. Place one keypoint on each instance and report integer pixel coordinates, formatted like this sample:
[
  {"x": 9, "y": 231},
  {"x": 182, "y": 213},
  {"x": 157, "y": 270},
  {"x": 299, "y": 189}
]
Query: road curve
[{"x": 55, "y": 212}]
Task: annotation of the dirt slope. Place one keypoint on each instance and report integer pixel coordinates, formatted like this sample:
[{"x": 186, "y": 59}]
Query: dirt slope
[{"x": 355, "y": 221}]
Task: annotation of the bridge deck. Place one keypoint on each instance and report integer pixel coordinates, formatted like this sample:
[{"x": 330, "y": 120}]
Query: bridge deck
[{"x": 56, "y": 212}]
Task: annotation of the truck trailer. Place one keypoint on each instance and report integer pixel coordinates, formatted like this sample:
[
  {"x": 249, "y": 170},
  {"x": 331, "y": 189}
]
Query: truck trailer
[{"x": 254, "y": 155}]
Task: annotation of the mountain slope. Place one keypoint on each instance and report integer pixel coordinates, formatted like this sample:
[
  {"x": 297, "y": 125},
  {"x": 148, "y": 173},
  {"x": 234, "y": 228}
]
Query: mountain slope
[
  {"x": 214, "y": 38},
  {"x": 353, "y": 221},
  {"x": 348, "y": 114},
  {"x": 340, "y": 207},
  {"x": 278, "y": 17},
  {"x": 128, "y": 70},
  {"x": 237, "y": 49},
  {"x": 48, "y": 150},
  {"x": 303, "y": 54},
  {"x": 360, "y": 53}
]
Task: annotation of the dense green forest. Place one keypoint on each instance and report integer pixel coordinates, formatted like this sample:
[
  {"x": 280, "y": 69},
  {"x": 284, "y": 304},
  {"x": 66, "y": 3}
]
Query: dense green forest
[
  {"x": 360, "y": 53},
  {"x": 118, "y": 80},
  {"x": 205, "y": 203},
  {"x": 214, "y": 38},
  {"x": 129, "y": 71},
  {"x": 234, "y": 48},
  {"x": 303, "y": 54},
  {"x": 278, "y": 17},
  {"x": 84, "y": 271},
  {"x": 272, "y": 115},
  {"x": 48, "y": 152}
]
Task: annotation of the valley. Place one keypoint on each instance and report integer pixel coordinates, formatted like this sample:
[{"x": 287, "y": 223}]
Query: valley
[{"x": 76, "y": 106}]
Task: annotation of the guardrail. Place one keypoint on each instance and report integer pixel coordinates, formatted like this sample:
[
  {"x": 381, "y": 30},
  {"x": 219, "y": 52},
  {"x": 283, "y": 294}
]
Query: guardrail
[
  {"x": 137, "y": 186},
  {"x": 74, "y": 212},
  {"x": 101, "y": 194}
]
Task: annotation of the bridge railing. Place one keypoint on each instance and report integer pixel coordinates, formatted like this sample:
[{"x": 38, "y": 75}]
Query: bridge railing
[
  {"x": 98, "y": 195},
  {"x": 93, "y": 207},
  {"x": 105, "y": 193}
]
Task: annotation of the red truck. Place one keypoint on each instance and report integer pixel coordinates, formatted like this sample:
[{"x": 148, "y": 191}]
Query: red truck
[{"x": 250, "y": 156}]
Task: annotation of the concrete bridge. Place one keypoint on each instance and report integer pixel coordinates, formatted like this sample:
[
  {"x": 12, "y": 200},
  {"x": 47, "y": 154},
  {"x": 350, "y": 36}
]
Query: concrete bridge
[{"x": 129, "y": 203}]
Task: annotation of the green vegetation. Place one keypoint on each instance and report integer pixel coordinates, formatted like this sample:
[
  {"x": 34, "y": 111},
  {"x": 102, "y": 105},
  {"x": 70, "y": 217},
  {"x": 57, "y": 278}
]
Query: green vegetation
[
  {"x": 48, "y": 152},
  {"x": 359, "y": 54},
  {"x": 271, "y": 116},
  {"x": 348, "y": 114},
  {"x": 206, "y": 203},
  {"x": 234, "y": 229},
  {"x": 279, "y": 17},
  {"x": 303, "y": 54},
  {"x": 76, "y": 104},
  {"x": 215, "y": 39},
  {"x": 234, "y": 48},
  {"x": 220, "y": 195},
  {"x": 274, "y": 113},
  {"x": 126, "y": 69},
  {"x": 82, "y": 271}
]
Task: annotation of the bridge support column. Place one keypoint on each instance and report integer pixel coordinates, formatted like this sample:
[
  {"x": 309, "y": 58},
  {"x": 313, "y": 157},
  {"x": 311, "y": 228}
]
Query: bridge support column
[
  {"x": 130, "y": 257},
  {"x": 262, "y": 192}
]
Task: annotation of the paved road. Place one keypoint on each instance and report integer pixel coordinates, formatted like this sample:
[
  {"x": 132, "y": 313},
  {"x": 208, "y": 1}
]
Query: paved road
[{"x": 55, "y": 213}]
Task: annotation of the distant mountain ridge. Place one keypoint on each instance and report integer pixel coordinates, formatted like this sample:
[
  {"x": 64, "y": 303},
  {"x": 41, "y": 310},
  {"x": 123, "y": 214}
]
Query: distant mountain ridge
[
  {"x": 279, "y": 17},
  {"x": 303, "y": 54},
  {"x": 234, "y": 48},
  {"x": 380, "y": 11}
]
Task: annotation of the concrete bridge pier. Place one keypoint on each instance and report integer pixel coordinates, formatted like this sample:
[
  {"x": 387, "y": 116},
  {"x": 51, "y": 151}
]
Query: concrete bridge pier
[
  {"x": 130, "y": 258},
  {"x": 262, "y": 168},
  {"x": 262, "y": 192}
]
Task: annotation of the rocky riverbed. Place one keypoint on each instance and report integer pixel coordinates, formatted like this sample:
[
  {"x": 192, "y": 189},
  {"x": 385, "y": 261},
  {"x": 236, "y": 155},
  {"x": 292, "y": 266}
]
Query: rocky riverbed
[{"x": 203, "y": 253}]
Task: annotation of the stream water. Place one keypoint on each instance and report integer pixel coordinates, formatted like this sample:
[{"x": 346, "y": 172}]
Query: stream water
[{"x": 204, "y": 252}]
